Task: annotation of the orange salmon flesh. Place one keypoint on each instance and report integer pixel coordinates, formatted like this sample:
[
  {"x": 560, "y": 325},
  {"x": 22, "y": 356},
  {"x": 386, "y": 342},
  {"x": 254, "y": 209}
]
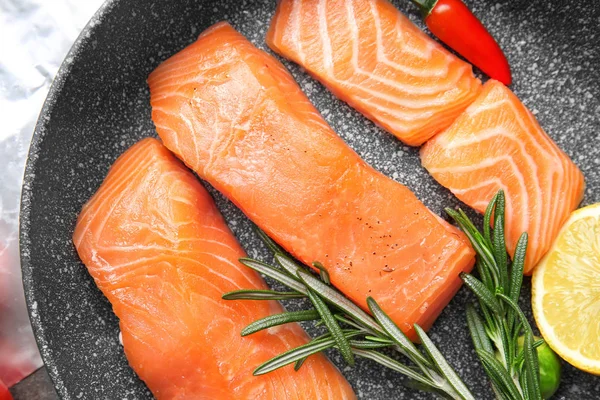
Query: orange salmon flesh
[
  {"x": 375, "y": 59},
  {"x": 235, "y": 115},
  {"x": 159, "y": 250},
  {"x": 498, "y": 144}
]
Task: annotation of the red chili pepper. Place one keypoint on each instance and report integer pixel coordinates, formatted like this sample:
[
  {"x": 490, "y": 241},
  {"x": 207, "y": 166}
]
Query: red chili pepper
[
  {"x": 4, "y": 393},
  {"x": 454, "y": 24}
]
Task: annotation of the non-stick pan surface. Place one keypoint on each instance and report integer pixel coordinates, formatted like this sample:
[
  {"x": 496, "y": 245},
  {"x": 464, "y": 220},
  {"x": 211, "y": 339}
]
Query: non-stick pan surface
[{"x": 99, "y": 106}]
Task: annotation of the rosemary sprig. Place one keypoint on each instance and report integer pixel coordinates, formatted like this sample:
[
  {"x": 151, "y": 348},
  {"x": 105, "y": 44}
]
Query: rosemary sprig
[
  {"x": 349, "y": 329},
  {"x": 495, "y": 329},
  {"x": 514, "y": 374}
]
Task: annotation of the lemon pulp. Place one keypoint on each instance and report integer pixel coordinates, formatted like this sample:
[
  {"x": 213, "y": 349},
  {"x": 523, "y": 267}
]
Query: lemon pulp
[{"x": 566, "y": 291}]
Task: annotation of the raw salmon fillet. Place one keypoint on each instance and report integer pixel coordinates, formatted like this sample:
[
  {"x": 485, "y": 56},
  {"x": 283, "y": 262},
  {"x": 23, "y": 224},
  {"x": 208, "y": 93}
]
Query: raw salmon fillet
[
  {"x": 498, "y": 144},
  {"x": 375, "y": 59},
  {"x": 235, "y": 115},
  {"x": 156, "y": 246}
]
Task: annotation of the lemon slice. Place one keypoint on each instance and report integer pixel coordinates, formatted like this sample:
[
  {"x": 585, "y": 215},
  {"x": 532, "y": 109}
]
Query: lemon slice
[{"x": 566, "y": 291}]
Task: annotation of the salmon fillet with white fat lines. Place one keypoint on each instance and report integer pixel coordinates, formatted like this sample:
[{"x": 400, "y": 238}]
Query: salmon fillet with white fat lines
[
  {"x": 498, "y": 144},
  {"x": 375, "y": 59},
  {"x": 235, "y": 115},
  {"x": 159, "y": 250}
]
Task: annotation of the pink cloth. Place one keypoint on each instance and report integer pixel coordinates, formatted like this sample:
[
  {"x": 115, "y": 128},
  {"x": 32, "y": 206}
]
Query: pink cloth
[{"x": 18, "y": 352}]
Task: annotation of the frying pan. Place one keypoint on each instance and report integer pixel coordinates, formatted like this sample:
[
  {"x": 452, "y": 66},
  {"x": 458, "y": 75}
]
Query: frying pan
[{"x": 99, "y": 105}]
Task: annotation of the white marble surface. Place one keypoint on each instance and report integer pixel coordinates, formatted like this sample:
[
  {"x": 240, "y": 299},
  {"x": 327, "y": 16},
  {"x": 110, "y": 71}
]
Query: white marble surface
[{"x": 35, "y": 36}]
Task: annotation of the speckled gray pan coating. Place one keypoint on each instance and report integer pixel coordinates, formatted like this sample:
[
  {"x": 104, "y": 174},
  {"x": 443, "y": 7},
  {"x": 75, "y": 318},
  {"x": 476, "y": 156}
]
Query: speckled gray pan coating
[{"x": 99, "y": 106}]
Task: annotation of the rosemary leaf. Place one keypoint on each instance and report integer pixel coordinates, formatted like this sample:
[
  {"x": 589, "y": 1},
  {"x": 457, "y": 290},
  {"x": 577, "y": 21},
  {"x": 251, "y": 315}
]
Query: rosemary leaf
[
  {"x": 523, "y": 381},
  {"x": 499, "y": 394},
  {"x": 517, "y": 268},
  {"x": 322, "y": 272},
  {"x": 516, "y": 277},
  {"x": 380, "y": 340},
  {"x": 393, "y": 364},
  {"x": 293, "y": 355},
  {"x": 252, "y": 294},
  {"x": 367, "y": 344},
  {"x": 520, "y": 358},
  {"x": 327, "y": 335},
  {"x": 532, "y": 368},
  {"x": 482, "y": 292},
  {"x": 480, "y": 339},
  {"x": 348, "y": 321},
  {"x": 288, "y": 264},
  {"x": 499, "y": 376},
  {"x": 477, "y": 241},
  {"x": 517, "y": 328},
  {"x": 271, "y": 244},
  {"x": 499, "y": 242},
  {"x": 484, "y": 275},
  {"x": 274, "y": 273},
  {"x": 538, "y": 343},
  {"x": 395, "y": 333},
  {"x": 531, "y": 365},
  {"x": 489, "y": 320},
  {"x": 300, "y": 352},
  {"x": 517, "y": 310},
  {"x": 507, "y": 349},
  {"x": 299, "y": 363},
  {"x": 335, "y": 298},
  {"x": 487, "y": 219},
  {"x": 336, "y": 332},
  {"x": 280, "y": 319},
  {"x": 443, "y": 366}
]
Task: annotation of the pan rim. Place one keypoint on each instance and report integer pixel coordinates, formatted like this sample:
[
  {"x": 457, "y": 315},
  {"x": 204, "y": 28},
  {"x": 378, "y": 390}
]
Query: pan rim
[{"x": 37, "y": 138}]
